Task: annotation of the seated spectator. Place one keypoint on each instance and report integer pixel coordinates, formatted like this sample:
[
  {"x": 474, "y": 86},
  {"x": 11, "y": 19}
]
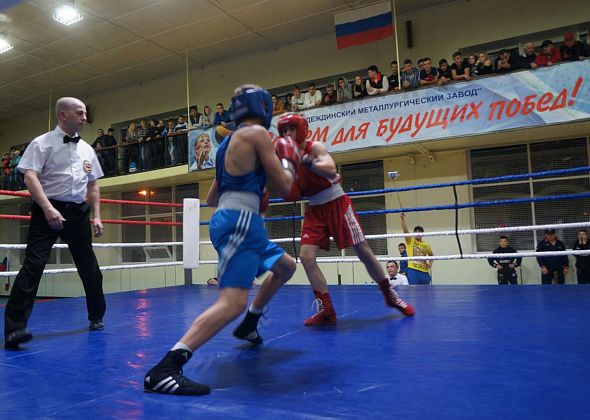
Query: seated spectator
[
  {"x": 428, "y": 76},
  {"x": 571, "y": 49},
  {"x": 206, "y": 119},
  {"x": 297, "y": 100},
  {"x": 194, "y": 116},
  {"x": 444, "y": 72},
  {"x": 180, "y": 129},
  {"x": 395, "y": 278},
  {"x": 409, "y": 76},
  {"x": 582, "y": 261},
  {"x": 288, "y": 97},
  {"x": 330, "y": 95},
  {"x": 343, "y": 91},
  {"x": 484, "y": 64},
  {"x": 221, "y": 115},
  {"x": 393, "y": 79},
  {"x": 278, "y": 107},
  {"x": 472, "y": 63},
  {"x": 549, "y": 55},
  {"x": 313, "y": 97},
  {"x": 529, "y": 56},
  {"x": 358, "y": 89},
  {"x": 202, "y": 151},
  {"x": 507, "y": 61},
  {"x": 459, "y": 69},
  {"x": 376, "y": 83}
]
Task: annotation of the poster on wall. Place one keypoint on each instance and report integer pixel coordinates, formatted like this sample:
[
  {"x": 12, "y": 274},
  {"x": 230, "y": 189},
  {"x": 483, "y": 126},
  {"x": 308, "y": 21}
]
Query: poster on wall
[
  {"x": 203, "y": 144},
  {"x": 552, "y": 95}
]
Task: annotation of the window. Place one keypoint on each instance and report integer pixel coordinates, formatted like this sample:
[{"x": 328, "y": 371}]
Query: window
[
  {"x": 545, "y": 156},
  {"x": 154, "y": 233}
]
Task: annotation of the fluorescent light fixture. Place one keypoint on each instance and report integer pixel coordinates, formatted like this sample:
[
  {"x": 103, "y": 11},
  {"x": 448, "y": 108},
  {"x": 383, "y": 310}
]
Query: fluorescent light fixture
[
  {"x": 67, "y": 14},
  {"x": 4, "y": 45}
]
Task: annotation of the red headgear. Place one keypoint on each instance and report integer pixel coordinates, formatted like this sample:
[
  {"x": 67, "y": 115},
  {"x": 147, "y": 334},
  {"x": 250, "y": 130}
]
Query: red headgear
[{"x": 296, "y": 121}]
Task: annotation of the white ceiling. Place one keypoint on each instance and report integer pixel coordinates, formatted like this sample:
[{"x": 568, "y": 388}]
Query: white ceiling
[{"x": 121, "y": 42}]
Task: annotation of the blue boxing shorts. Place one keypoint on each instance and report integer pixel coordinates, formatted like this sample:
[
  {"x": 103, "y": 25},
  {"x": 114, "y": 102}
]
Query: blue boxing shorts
[{"x": 241, "y": 241}]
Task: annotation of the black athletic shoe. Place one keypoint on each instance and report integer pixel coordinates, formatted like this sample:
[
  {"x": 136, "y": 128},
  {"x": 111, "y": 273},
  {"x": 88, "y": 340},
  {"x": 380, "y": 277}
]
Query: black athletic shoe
[
  {"x": 96, "y": 325},
  {"x": 166, "y": 377},
  {"x": 17, "y": 337},
  {"x": 247, "y": 330}
]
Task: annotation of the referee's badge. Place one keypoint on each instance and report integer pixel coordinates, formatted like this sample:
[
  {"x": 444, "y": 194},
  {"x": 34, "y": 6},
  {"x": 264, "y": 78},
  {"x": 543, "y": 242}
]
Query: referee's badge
[{"x": 87, "y": 165}]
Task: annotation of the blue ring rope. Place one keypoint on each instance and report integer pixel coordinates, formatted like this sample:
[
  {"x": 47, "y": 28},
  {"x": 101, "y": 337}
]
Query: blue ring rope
[
  {"x": 479, "y": 181},
  {"x": 450, "y": 206}
]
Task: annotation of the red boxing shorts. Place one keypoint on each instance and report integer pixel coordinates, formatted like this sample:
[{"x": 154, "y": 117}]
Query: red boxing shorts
[{"x": 335, "y": 218}]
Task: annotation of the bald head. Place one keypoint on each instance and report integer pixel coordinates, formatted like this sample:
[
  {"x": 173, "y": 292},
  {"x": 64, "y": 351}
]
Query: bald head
[
  {"x": 71, "y": 114},
  {"x": 65, "y": 104}
]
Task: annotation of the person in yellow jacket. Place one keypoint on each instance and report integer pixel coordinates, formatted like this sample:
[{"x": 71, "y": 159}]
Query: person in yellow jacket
[{"x": 418, "y": 270}]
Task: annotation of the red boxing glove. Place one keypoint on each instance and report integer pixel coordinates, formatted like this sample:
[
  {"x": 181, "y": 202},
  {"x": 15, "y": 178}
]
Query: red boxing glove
[
  {"x": 295, "y": 193},
  {"x": 288, "y": 154},
  {"x": 263, "y": 201}
]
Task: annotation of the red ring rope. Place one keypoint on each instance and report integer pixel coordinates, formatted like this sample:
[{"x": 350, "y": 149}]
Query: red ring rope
[
  {"x": 104, "y": 200},
  {"x": 104, "y": 221}
]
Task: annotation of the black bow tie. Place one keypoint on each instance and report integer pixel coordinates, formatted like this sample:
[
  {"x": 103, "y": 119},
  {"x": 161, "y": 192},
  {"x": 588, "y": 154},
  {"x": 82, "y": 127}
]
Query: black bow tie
[
  {"x": 394, "y": 278},
  {"x": 68, "y": 139}
]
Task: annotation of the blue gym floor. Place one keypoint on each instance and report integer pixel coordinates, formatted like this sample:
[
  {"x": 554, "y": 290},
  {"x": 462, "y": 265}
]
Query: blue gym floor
[{"x": 470, "y": 352}]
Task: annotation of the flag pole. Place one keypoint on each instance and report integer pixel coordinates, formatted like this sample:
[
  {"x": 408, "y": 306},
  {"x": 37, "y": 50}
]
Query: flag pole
[{"x": 394, "y": 21}]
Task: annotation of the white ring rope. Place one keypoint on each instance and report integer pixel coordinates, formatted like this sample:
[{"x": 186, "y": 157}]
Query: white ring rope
[
  {"x": 380, "y": 236},
  {"x": 333, "y": 260}
]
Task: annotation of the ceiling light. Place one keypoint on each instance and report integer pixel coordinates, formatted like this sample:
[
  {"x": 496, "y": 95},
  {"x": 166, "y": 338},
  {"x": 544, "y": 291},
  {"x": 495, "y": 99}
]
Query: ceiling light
[
  {"x": 67, "y": 14},
  {"x": 4, "y": 45}
]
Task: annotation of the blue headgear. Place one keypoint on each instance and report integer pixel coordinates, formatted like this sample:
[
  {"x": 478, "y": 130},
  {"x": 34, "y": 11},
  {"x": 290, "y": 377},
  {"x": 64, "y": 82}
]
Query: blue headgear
[{"x": 253, "y": 103}]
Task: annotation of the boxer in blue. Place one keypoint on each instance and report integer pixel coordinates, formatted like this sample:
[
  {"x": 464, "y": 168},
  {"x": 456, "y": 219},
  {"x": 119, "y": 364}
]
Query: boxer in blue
[{"x": 244, "y": 160}]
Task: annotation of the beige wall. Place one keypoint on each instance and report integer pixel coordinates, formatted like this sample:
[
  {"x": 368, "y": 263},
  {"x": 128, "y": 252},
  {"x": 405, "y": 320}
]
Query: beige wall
[{"x": 437, "y": 33}]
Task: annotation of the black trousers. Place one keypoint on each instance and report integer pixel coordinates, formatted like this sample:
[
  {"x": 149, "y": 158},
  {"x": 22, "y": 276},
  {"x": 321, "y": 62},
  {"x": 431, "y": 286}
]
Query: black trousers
[
  {"x": 549, "y": 277},
  {"x": 507, "y": 276},
  {"x": 77, "y": 234},
  {"x": 583, "y": 276}
]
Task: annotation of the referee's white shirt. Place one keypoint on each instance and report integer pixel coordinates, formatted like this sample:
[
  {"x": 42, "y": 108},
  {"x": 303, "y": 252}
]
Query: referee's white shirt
[
  {"x": 64, "y": 169},
  {"x": 398, "y": 280}
]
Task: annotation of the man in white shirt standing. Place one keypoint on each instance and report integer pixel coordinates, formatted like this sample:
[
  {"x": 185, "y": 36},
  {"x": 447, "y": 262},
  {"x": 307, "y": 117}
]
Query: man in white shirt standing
[
  {"x": 313, "y": 97},
  {"x": 61, "y": 171},
  {"x": 395, "y": 278}
]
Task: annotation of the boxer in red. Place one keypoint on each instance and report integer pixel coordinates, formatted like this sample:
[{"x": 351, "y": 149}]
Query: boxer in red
[{"x": 330, "y": 213}]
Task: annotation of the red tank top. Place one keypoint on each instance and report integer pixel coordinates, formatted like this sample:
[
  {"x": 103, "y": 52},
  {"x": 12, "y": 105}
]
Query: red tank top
[{"x": 312, "y": 183}]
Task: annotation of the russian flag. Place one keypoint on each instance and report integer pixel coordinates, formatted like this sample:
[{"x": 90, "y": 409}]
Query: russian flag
[{"x": 363, "y": 25}]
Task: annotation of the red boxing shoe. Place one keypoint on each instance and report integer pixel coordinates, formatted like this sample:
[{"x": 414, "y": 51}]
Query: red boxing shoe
[
  {"x": 325, "y": 314},
  {"x": 392, "y": 299}
]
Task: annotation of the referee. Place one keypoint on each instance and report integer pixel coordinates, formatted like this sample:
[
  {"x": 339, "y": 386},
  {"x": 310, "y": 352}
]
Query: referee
[{"x": 60, "y": 173}]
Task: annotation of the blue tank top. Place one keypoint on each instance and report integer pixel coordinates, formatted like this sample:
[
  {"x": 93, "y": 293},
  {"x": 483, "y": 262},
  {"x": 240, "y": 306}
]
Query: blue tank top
[{"x": 251, "y": 182}]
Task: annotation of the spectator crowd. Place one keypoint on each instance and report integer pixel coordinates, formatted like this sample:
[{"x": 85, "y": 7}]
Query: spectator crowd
[{"x": 156, "y": 143}]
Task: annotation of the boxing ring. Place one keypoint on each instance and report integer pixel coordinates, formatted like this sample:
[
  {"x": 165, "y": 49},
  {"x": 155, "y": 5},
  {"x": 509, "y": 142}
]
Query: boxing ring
[{"x": 478, "y": 351}]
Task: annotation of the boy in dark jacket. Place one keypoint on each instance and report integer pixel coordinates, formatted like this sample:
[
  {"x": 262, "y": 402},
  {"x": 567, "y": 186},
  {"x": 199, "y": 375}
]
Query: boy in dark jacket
[{"x": 506, "y": 266}]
